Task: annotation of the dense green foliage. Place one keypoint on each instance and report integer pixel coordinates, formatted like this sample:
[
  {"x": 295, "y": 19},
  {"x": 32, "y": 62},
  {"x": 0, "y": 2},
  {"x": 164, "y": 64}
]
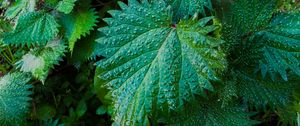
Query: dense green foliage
[{"x": 149, "y": 62}]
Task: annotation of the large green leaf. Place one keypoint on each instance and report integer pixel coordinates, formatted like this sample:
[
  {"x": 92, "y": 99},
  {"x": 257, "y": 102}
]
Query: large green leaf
[
  {"x": 153, "y": 65},
  {"x": 14, "y": 98},
  {"x": 32, "y": 28},
  {"x": 77, "y": 24}
]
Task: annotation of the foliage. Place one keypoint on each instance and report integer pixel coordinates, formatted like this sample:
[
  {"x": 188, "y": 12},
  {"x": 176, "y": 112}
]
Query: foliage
[
  {"x": 14, "y": 95},
  {"x": 151, "y": 62}
]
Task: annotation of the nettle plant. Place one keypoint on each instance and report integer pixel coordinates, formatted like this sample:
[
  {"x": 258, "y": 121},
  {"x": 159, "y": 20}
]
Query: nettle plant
[{"x": 158, "y": 62}]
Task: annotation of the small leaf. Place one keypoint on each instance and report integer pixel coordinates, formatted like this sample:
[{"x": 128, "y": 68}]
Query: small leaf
[
  {"x": 77, "y": 24},
  {"x": 66, "y": 6},
  {"x": 81, "y": 109},
  {"x": 101, "y": 110},
  {"x": 39, "y": 61}
]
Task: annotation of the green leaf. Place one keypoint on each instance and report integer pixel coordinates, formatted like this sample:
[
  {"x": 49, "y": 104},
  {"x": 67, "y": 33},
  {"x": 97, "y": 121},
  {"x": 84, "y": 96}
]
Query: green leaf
[
  {"x": 39, "y": 61},
  {"x": 45, "y": 112},
  {"x": 51, "y": 122},
  {"x": 101, "y": 110},
  {"x": 32, "y": 28},
  {"x": 77, "y": 24},
  {"x": 186, "y": 8},
  {"x": 81, "y": 109},
  {"x": 66, "y": 6},
  {"x": 280, "y": 51},
  {"x": 84, "y": 49},
  {"x": 212, "y": 114},
  {"x": 14, "y": 92},
  {"x": 262, "y": 92},
  {"x": 152, "y": 65},
  {"x": 20, "y": 7},
  {"x": 243, "y": 19}
]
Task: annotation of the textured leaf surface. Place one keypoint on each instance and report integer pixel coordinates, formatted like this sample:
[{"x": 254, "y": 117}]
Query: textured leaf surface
[
  {"x": 212, "y": 114},
  {"x": 13, "y": 98},
  {"x": 281, "y": 46},
  {"x": 186, "y": 8},
  {"x": 66, "y": 6},
  {"x": 259, "y": 92},
  {"x": 40, "y": 61},
  {"x": 20, "y": 7},
  {"x": 270, "y": 44},
  {"x": 32, "y": 28},
  {"x": 77, "y": 24},
  {"x": 151, "y": 65}
]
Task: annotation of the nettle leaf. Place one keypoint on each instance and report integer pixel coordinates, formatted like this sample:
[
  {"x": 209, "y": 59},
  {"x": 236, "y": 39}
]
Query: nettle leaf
[
  {"x": 260, "y": 92},
  {"x": 20, "y": 7},
  {"x": 77, "y": 24},
  {"x": 14, "y": 92},
  {"x": 32, "y": 28},
  {"x": 154, "y": 65},
  {"x": 270, "y": 44},
  {"x": 281, "y": 46},
  {"x": 66, "y": 6},
  {"x": 212, "y": 114},
  {"x": 40, "y": 61},
  {"x": 186, "y": 8}
]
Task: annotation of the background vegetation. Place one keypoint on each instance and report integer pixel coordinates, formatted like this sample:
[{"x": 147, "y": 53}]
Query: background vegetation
[{"x": 49, "y": 50}]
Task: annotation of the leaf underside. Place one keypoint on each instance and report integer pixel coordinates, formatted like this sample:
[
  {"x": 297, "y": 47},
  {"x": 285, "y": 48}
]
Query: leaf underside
[{"x": 40, "y": 61}]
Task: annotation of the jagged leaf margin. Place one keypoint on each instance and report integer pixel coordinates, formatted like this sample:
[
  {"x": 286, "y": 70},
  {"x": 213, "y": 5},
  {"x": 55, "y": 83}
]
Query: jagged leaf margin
[
  {"x": 20, "y": 7},
  {"x": 152, "y": 65},
  {"x": 77, "y": 24},
  {"x": 66, "y": 6},
  {"x": 33, "y": 28},
  {"x": 212, "y": 114},
  {"x": 185, "y": 8},
  {"x": 261, "y": 93},
  {"x": 280, "y": 50},
  {"x": 14, "y": 97},
  {"x": 40, "y": 61}
]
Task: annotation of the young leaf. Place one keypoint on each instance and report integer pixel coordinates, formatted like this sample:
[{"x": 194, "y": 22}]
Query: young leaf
[
  {"x": 40, "y": 61},
  {"x": 152, "y": 64},
  {"x": 32, "y": 28},
  {"x": 66, "y": 6},
  {"x": 77, "y": 24},
  {"x": 14, "y": 98}
]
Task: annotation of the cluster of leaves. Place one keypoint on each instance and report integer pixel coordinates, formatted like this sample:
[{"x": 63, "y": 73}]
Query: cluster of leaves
[{"x": 151, "y": 62}]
